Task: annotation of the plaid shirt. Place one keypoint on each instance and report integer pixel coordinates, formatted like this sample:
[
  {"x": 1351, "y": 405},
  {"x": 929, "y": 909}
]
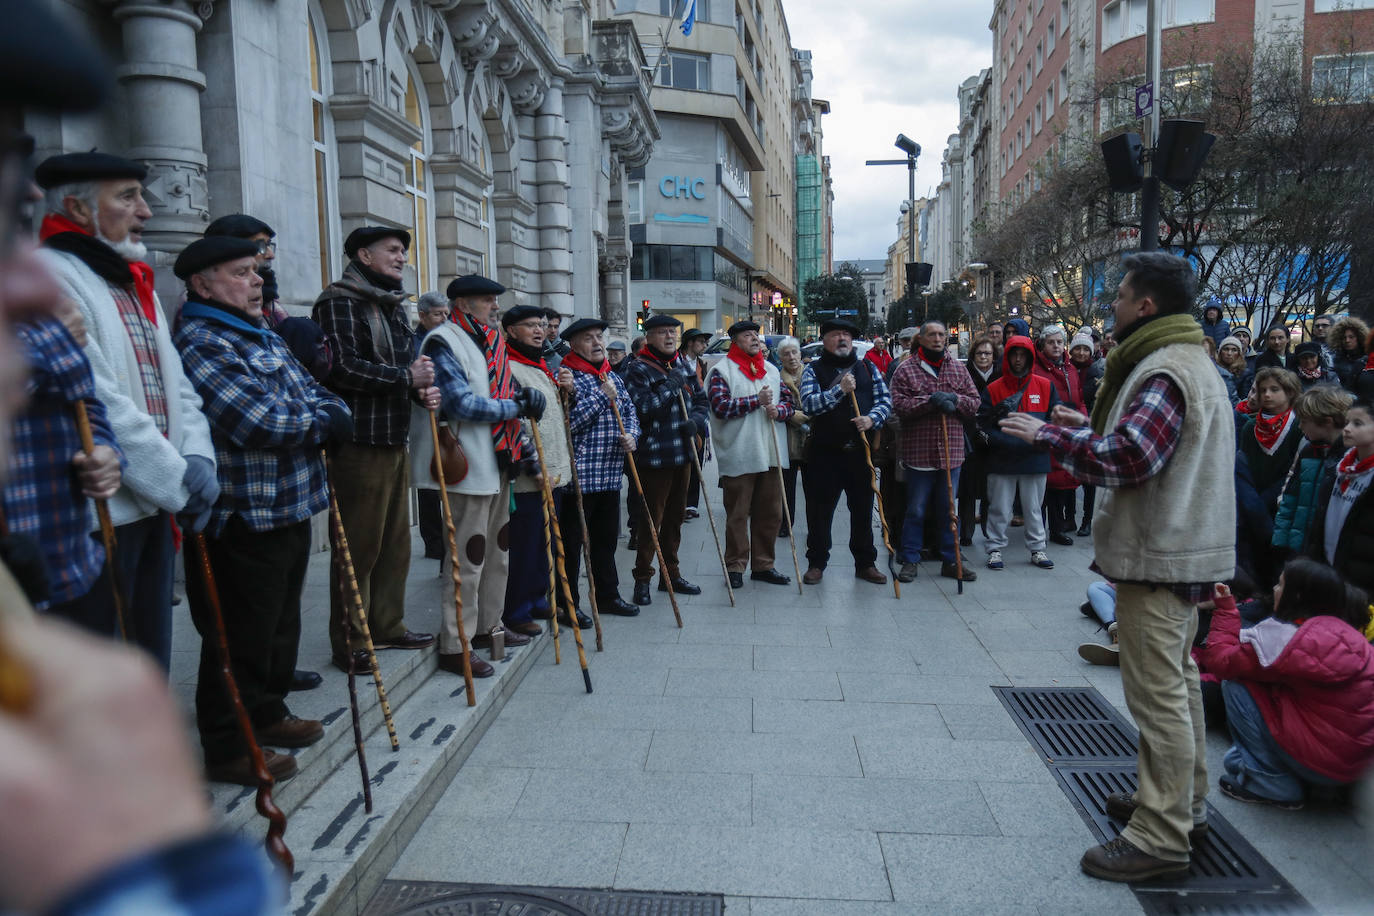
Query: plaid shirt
[
  {"x": 266, "y": 417},
  {"x": 728, "y": 408},
  {"x": 815, "y": 402},
  {"x": 1137, "y": 450},
  {"x": 143, "y": 339},
  {"x": 666, "y": 441},
  {"x": 42, "y": 496},
  {"x": 372, "y": 375},
  {"x": 596, "y": 438},
  {"x": 925, "y": 429}
]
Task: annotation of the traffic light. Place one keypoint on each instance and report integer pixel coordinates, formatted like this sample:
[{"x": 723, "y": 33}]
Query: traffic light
[{"x": 643, "y": 315}]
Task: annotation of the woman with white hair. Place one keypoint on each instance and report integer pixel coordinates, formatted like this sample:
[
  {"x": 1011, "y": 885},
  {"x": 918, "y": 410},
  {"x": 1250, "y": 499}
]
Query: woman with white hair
[{"x": 790, "y": 371}]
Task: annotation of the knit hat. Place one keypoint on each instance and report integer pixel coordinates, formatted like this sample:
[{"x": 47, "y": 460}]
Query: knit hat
[
  {"x": 1083, "y": 338},
  {"x": 1232, "y": 341}
]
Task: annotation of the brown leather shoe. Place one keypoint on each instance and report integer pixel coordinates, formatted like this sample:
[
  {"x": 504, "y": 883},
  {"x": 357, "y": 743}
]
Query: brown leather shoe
[
  {"x": 1121, "y": 806},
  {"x": 871, "y": 574},
  {"x": 358, "y": 660},
  {"x": 406, "y": 640},
  {"x": 291, "y": 731},
  {"x": 239, "y": 771},
  {"x": 524, "y": 629},
  {"x": 453, "y": 664},
  {"x": 513, "y": 639},
  {"x": 813, "y": 575},
  {"x": 1120, "y": 860}
]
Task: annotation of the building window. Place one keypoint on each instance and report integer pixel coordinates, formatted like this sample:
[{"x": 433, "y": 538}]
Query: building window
[
  {"x": 634, "y": 202},
  {"x": 1331, "y": 6},
  {"x": 669, "y": 7},
  {"x": 1344, "y": 78},
  {"x": 1049, "y": 39},
  {"x": 417, "y": 185},
  {"x": 1049, "y": 103},
  {"x": 323, "y": 153},
  {"x": 1039, "y": 56},
  {"x": 1038, "y": 117},
  {"x": 1064, "y": 84},
  {"x": 1123, "y": 19},
  {"x": 684, "y": 70},
  {"x": 1064, "y": 15},
  {"x": 673, "y": 262}
]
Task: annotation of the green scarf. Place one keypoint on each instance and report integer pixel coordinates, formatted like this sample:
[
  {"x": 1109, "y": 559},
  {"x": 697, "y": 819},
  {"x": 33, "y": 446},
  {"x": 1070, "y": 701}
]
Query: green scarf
[{"x": 1154, "y": 335}]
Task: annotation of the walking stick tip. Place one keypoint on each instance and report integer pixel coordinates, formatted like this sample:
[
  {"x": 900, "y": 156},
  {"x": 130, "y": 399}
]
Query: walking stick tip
[{"x": 587, "y": 679}]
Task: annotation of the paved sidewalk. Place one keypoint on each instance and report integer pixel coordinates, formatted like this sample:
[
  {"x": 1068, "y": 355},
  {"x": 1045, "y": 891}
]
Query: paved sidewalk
[{"x": 837, "y": 752}]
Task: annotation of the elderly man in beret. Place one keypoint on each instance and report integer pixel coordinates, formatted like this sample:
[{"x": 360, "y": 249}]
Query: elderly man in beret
[
  {"x": 479, "y": 394},
  {"x": 243, "y": 226},
  {"x": 835, "y": 460},
  {"x": 527, "y": 586},
  {"x": 749, "y": 407},
  {"x": 269, "y": 420},
  {"x": 599, "y": 449},
  {"x": 378, "y": 373},
  {"x": 92, "y": 241},
  {"x": 660, "y": 385}
]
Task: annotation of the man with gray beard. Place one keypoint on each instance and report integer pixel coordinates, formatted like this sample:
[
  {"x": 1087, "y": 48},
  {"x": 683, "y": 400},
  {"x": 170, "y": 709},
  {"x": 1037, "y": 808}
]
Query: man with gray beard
[{"x": 92, "y": 241}]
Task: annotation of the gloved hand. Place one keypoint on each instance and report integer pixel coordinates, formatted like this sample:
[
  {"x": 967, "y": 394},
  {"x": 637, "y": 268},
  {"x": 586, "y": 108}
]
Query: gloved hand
[
  {"x": 675, "y": 380},
  {"x": 687, "y": 428},
  {"x": 338, "y": 424},
  {"x": 202, "y": 483},
  {"x": 532, "y": 403},
  {"x": 945, "y": 401},
  {"x": 194, "y": 522}
]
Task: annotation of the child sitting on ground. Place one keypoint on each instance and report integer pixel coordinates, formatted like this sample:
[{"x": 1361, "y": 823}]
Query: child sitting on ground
[
  {"x": 1298, "y": 687},
  {"x": 1321, "y": 415}
]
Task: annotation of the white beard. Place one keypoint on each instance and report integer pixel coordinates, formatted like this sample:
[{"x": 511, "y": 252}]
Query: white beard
[{"x": 127, "y": 249}]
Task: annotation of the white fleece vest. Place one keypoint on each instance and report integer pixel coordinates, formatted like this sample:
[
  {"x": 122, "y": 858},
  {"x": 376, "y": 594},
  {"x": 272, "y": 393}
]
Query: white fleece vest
[
  {"x": 1180, "y": 526},
  {"x": 741, "y": 444},
  {"x": 552, "y": 434},
  {"x": 484, "y": 476}
]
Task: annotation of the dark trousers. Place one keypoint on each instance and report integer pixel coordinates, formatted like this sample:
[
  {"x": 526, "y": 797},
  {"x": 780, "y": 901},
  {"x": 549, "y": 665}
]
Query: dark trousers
[
  {"x": 789, "y": 492},
  {"x": 527, "y": 581},
  {"x": 665, "y": 490},
  {"x": 258, "y": 575},
  {"x": 1059, "y": 507},
  {"x": 146, "y": 556},
  {"x": 694, "y": 481},
  {"x": 603, "y": 518},
  {"x": 1089, "y": 497},
  {"x": 824, "y": 477},
  {"x": 431, "y": 519}
]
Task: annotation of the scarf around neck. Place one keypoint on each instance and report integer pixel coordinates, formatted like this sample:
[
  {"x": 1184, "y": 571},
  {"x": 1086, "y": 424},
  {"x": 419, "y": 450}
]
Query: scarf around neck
[
  {"x": 505, "y": 434},
  {"x": 1271, "y": 428},
  {"x": 529, "y": 356},
  {"x": 1140, "y": 341},
  {"x": 930, "y": 365},
  {"x": 1350, "y": 469},
  {"x": 576, "y": 363},
  {"x": 61, "y": 234},
  {"x": 753, "y": 367},
  {"x": 1314, "y": 373}
]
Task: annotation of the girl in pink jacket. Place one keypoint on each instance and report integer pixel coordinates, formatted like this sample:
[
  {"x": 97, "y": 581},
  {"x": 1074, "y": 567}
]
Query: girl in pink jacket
[{"x": 1298, "y": 686}]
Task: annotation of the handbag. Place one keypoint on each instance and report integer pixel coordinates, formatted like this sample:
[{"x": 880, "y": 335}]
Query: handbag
[{"x": 455, "y": 461}]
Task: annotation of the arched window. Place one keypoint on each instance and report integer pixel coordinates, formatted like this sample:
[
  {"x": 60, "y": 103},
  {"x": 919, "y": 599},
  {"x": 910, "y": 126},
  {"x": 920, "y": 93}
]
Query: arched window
[
  {"x": 325, "y": 166},
  {"x": 418, "y": 189}
]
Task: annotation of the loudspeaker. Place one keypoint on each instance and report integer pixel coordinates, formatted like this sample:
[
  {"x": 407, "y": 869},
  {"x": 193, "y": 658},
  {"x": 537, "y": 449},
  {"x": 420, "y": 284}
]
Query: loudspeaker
[
  {"x": 918, "y": 274},
  {"x": 1122, "y": 155},
  {"x": 1182, "y": 148}
]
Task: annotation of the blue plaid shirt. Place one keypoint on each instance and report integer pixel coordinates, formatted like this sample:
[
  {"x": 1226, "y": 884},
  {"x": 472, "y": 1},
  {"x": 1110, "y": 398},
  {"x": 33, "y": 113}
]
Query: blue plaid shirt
[
  {"x": 43, "y": 497},
  {"x": 815, "y": 402},
  {"x": 266, "y": 416},
  {"x": 596, "y": 438},
  {"x": 669, "y": 438}
]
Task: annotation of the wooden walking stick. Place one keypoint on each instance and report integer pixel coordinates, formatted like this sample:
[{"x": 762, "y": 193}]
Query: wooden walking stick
[
  {"x": 878, "y": 494},
  {"x": 696, "y": 463},
  {"x": 276, "y": 820},
  {"x": 648, "y": 517},
  {"x": 354, "y": 597},
  {"x": 786, "y": 512},
  {"x": 453, "y": 559},
  {"x": 102, "y": 512},
  {"x": 953, "y": 514},
  {"x": 553, "y": 588},
  {"x": 546, "y": 489},
  {"x": 581, "y": 520},
  {"x": 357, "y": 724}
]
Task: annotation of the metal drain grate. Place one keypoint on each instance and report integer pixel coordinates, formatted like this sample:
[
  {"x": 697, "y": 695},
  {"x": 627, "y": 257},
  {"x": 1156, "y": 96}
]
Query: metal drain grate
[
  {"x": 432, "y": 898},
  {"x": 1091, "y": 750}
]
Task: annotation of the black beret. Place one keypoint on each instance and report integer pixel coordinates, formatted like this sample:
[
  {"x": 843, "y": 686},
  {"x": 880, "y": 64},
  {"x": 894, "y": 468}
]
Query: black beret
[
  {"x": 71, "y": 168},
  {"x": 839, "y": 324},
  {"x": 239, "y": 225},
  {"x": 1306, "y": 347},
  {"x": 739, "y": 327},
  {"x": 207, "y": 252},
  {"x": 662, "y": 321},
  {"x": 366, "y": 235},
  {"x": 520, "y": 313},
  {"x": 580, "y": 325},
  {"x": 474, "y": 285},
  {"x": 46, "y": 63},
  {"x": 694, "y": 333}
]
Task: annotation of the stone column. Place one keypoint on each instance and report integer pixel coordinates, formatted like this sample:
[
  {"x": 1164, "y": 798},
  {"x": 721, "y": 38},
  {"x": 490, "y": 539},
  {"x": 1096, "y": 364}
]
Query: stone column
[
  {"x": 162, "y": 88},
  {"x": 551, "y": 194}
]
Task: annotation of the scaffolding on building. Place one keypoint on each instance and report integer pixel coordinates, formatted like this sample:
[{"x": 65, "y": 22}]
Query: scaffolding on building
[{"x": 810, "y": 238}]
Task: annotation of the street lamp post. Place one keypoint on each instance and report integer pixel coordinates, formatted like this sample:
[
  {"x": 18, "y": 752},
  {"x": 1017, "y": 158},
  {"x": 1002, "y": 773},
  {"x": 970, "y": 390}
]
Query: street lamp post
[{"x": 913, "y": 152}]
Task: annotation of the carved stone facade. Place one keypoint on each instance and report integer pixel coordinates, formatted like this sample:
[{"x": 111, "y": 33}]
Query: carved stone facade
[{"x": 498, "y": 131}]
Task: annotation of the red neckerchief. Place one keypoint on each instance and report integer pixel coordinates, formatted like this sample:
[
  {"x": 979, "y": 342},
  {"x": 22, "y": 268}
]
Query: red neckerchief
[
  {"x": 524, "y": 360},
  {"x": 1314, "y": 373},
  {"x": 1369, "y": 363},
  {"x": 753, "y": 367},
  {"x": 1269, "y": 430},
  {"x": 55, "y": 223},
  {"x": 647, "y": 355},
  {"x": 577, "y": 364},
  {"x": 1351, "y": 467}
]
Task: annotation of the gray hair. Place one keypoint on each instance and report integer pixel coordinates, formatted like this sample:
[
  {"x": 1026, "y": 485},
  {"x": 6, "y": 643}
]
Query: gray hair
[
  {"x": 88, "y": 192},
  {"x": 1052, "y": 330},
  {"x": 432, "y": 302},
  {"x": 788, "y": 342},
  {"x": 931, "y": 322}
]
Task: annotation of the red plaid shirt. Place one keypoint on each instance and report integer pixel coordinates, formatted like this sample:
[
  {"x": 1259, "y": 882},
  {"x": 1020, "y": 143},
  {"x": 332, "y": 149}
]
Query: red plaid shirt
[
  {"x": 924, "y": 428},
  {"x": 143, "y": 338}
]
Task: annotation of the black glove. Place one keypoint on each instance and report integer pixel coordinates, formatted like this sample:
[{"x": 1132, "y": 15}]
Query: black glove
[
  {"x": 532, "y": 403},
  {"x": 945, "y": 401},
  {"x": 338, "y": 424},
  {"x": 687, "y": 428},
  {"x": 675, "y": 380}
]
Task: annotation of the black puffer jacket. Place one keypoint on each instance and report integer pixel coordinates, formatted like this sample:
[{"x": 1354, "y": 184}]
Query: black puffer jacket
[{"x": 1354, "y": 556}]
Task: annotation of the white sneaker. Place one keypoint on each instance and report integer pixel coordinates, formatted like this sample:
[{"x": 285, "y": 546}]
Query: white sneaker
[
  {"x": 1041, "y": 559},
  {"x": 995, "y": 560}
]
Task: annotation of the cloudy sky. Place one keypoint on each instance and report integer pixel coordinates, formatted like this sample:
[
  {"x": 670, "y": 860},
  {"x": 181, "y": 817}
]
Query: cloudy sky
[{"x": 886, "y": 67}]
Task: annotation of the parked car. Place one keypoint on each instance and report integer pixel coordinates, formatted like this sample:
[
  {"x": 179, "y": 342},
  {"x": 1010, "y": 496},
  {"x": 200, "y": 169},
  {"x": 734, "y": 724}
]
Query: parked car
[
  {"x": 721, "y": 342},
  {"x": 813, "y": 349}
]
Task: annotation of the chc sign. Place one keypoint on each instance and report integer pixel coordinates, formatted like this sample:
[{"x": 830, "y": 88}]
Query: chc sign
[{"x": 677, "y": 186}]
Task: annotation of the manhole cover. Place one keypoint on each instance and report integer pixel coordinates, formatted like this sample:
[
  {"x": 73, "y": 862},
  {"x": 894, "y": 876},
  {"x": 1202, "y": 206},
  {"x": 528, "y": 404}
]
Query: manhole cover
[
  {"x": 441, "y": 898},
  {"x": 489, "y": 903}
]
